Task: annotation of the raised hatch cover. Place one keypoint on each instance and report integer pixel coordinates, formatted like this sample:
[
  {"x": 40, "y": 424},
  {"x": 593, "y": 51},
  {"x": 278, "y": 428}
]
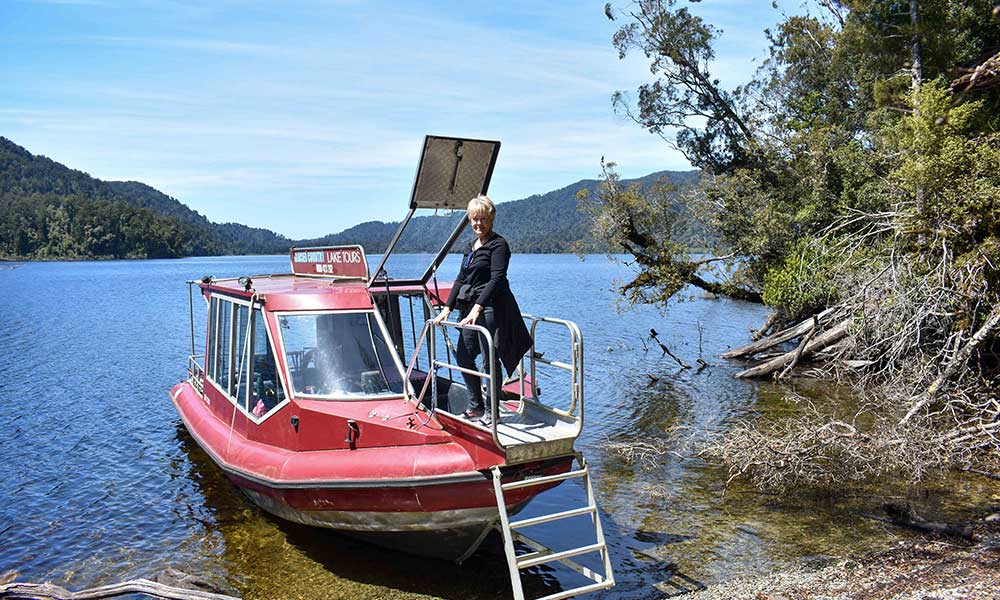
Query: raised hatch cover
[{"x": 451, "y": 172}]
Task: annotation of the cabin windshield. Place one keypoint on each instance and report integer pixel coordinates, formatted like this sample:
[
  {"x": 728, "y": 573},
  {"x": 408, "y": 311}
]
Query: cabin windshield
[{"x": 338, "y": 355}]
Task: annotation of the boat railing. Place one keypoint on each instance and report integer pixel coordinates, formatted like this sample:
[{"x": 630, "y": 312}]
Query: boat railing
[
  {"x": 430, "y": 382},
  {"x": 573, "y": 413},
  {"x": 574, "y": 367},
  {"x": 196, "y": 374}
]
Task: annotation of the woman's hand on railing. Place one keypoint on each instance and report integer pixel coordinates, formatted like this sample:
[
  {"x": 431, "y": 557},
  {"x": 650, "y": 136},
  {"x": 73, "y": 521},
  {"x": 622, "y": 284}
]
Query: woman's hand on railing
[
  {"x": 442, "y": 316},
  {"x": 473, "y": 316}
]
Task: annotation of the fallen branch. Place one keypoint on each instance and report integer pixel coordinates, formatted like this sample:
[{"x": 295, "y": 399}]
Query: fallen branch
[
  {"x": 954, "y": 364},
  {"x": 821, "y": 341},
  {"x": 684, "y": 365},
  {"x": 905, "y": 517},
  {"x": 798, "y": 351},
  {"x": 774, "y": 339},
  {"x": 49, "y": 591},
  {"x": 768, "y": 324},
  {"x": 983, "y": 473}
]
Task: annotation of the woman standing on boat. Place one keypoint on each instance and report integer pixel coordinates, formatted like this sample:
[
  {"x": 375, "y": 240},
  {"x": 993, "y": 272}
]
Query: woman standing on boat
[{"x": 482, "y": 294}]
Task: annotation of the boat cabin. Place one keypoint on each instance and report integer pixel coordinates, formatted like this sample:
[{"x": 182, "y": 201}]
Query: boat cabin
[{"x": 321, "y": 334}]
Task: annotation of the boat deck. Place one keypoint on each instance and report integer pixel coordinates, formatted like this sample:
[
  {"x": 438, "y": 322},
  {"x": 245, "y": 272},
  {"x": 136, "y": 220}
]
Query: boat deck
[{"x": 532, "y": 432}]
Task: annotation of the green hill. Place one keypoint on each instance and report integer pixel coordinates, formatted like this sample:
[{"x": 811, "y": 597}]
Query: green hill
[
  {"x": 541, "y": 223},
  {"x": 48, "y": 210}
]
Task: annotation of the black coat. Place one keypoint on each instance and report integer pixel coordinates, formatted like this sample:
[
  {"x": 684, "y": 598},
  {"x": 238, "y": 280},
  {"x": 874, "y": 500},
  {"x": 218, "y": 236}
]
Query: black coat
[{"x": 483, "y": 278}]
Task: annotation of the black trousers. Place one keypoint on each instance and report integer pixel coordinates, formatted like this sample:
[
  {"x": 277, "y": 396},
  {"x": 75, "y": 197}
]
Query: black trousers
[{"x": 470, "y": 345}]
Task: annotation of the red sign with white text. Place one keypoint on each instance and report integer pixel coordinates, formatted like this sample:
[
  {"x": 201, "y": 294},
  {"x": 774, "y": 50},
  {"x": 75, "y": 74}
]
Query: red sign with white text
[{"x": 335, "y": 261}]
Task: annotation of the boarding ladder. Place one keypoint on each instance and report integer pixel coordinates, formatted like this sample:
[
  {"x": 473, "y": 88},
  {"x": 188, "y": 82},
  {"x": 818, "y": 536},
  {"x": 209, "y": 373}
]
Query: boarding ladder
[{"x": 541, "y": 554}]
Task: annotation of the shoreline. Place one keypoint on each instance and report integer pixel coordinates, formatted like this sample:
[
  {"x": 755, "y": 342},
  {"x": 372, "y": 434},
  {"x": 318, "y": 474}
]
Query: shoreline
[
  {"x": 916, "y": 569},
  {"x": 20, "y": 259}
]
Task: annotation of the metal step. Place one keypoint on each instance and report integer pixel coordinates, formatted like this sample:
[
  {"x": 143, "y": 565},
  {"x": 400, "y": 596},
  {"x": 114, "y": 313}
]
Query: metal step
[
  {"x": 542, "y": 480},
  {"x": 586, "y": 589},
  {"x": 540, "y": 560},
  {"x": 543, "y": 554},
  {"x": 553, "y": 517}
]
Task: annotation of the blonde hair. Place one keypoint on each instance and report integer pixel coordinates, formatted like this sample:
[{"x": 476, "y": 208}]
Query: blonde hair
[{"x": 482, "y": 206}]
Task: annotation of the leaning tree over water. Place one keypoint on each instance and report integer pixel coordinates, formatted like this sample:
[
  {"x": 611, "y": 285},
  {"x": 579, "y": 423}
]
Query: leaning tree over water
[{"x": 852, "y": 185}]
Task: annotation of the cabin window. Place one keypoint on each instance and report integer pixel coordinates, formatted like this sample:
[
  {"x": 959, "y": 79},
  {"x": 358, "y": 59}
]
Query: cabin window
[
  {"x": 240, "y": 360},
  {"x": 267, "y": 389},
  {"x": 338, "y": 354},
  {"x": 224, "y": 352},
  {"x": 213, "y": 327},
  {"x": 241, "y": 364}
]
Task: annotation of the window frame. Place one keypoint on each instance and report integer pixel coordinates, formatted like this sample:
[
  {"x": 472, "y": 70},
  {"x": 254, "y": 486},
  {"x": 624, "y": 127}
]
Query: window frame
[
  {"x": 391, "y": 347},
  {"x": 251, "y": 333}
]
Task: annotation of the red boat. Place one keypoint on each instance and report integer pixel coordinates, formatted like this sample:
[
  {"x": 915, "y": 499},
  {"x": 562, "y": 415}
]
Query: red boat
[{"x": 322, "y": 408}]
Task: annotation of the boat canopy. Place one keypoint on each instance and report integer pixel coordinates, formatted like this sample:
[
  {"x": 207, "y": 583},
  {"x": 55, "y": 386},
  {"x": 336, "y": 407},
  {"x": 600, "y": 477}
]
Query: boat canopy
[{"x": 451, "y": 172}]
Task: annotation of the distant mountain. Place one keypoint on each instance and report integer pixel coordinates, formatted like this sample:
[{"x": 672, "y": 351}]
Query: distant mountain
[
  {"x": 48, "y": 210},
  {"x": 541, "y": 223},
  {"x": 237, "y": 238},
  {"x": 52, "y": 211}
]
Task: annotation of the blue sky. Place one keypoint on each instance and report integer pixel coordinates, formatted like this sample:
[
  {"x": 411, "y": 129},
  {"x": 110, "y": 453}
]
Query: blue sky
[{"x": 306, "y": 117}]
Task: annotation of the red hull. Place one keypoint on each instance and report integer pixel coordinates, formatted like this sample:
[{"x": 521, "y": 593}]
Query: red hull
[{"x": 430, "y": 495}]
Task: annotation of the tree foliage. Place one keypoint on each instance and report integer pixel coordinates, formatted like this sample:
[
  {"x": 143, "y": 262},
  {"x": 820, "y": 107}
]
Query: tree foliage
[
  {"x": 846, "y": 174},
  {"x": 50, "y": 211},
  {"x": 828, "y": 127}
]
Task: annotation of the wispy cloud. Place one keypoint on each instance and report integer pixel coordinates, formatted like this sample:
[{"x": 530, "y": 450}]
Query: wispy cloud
[
  {"x": 206, "y": 45},
  {"x": 91, "y": 3}
]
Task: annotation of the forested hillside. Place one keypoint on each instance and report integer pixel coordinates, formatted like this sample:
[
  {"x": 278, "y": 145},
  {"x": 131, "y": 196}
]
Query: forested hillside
[
  {"x": 52, "y": 211},
  {"x": 548, "y": 222},
  {"x": 234, "y": 237},
  {"x": 48, "y": 210}
]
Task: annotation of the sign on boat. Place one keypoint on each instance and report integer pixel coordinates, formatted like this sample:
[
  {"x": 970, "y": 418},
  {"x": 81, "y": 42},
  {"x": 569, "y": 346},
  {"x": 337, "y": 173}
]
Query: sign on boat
[{"x": 317, "y": 405}]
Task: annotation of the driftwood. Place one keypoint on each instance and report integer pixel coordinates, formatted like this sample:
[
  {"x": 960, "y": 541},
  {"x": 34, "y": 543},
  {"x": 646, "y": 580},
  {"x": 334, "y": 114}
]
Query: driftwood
[
  {"x": 779, "y": 337},
  {"x": 768, "y": 324},
  {"x": 50, "y": 591},
  {"x": 905, "y": 517},
  {"x": 653, "y": 335},
  {"x": 819, "y": 342},
  {"x": 983, "y": 473},
  {"x": 957, "y": 361},
  {"x": 802, "y": 346}
]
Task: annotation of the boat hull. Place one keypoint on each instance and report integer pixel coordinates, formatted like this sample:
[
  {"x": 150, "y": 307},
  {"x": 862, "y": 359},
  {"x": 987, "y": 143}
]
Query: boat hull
[
  {"x": 445, "y": 515},
  {"x": 445, "y": 534}
]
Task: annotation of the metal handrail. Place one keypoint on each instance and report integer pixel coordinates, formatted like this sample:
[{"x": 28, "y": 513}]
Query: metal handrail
[
  {"x": 409, "y": 369},
  {"x": 575, "y": 367},
  {"x": 196, "y": 374},
  {"x": 436, "y": 364}
]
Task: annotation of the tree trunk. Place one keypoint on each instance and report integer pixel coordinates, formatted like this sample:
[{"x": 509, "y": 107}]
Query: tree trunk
[
  {"x": 916, "y": 63},
  {"x": 49, "y": 591},
  {"x": 821, "y": 341},
  {"x": 776, "y": 338},
  {"x": 730, "y": 291}
]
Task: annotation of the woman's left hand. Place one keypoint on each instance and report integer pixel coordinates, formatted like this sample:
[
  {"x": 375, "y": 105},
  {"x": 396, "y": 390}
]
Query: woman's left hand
[{"x": 473, "y": 316}]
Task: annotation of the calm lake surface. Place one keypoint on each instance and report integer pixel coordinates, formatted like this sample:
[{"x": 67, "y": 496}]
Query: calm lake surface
[{"x": 101, "y": 483}]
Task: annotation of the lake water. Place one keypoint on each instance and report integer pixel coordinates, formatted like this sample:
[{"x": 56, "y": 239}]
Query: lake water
[{"x": 101, "y": 482}]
